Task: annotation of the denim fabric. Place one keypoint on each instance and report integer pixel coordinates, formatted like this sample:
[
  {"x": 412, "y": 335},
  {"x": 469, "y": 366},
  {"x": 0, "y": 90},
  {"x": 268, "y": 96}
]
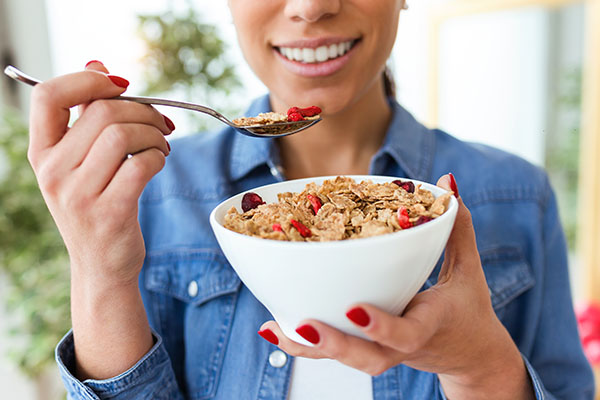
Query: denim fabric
[{"x": 205, "y": 320}]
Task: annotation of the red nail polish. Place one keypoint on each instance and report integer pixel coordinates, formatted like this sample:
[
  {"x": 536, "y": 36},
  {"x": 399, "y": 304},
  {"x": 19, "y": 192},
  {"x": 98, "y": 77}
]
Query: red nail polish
[
  {"x": 269, "y": 336},
  {"x": 453, "y": 186},
  {"x": 93, "y": 61},
  {"x": 168, "y": 145},
  {"x": 359, "y": 316},
  {"x": 169, "y": 123},
  {"x": 309, "y": 333},
  {"x": 117, "y": 80}
]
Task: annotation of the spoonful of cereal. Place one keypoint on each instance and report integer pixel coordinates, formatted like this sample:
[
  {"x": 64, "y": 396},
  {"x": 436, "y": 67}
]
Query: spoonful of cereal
[{"x": 267, "y": 125}]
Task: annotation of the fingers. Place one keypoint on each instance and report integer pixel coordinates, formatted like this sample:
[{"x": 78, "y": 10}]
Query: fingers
[
  {"x": 51, "y": 101},
  {"x": 93, "y": 65},
  {"x": 99, "y": 115},
  {"x": 461, "y": 248},
  {"x": 132, "y": 176},
  {"x": 111, "y": 149},
  {"x": 361, "y": 354}
]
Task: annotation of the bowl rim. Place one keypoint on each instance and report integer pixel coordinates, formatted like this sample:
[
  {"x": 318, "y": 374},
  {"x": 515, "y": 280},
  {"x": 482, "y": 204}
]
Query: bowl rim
[{"x": 450, "y": 213}]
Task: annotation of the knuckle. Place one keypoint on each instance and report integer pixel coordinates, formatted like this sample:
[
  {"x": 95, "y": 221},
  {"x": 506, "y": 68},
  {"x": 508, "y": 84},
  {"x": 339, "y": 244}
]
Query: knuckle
[
  {"x": 41, "y": 93},
  {"x": 115, "y": 137},
  {"x": 378, "y": 367}
]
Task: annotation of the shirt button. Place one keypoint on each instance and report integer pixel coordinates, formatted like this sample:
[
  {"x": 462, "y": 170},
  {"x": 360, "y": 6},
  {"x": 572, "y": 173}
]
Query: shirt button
[
  {"x": 274, "y": 171},
  {"x": 277, "y": 359},
  {"x": 193, "y": 289}
]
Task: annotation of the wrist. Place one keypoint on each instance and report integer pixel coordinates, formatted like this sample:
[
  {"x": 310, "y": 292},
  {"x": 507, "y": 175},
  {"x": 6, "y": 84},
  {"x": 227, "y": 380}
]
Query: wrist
[{"x": 500, "y": 373}]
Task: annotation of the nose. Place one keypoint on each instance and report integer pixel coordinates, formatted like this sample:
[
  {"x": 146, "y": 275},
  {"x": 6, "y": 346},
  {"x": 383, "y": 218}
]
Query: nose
[{"x": 311, "y": 10}]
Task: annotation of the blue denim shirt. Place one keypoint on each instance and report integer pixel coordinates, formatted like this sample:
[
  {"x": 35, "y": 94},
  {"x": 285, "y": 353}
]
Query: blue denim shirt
[{"x": 205, "y": 320}]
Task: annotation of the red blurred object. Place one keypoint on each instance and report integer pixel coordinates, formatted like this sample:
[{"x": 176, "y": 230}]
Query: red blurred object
[{"x": 588, "y": 321}]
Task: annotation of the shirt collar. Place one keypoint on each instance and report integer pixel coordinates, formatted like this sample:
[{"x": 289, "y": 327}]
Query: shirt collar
[{"x": 408, "y": 143}]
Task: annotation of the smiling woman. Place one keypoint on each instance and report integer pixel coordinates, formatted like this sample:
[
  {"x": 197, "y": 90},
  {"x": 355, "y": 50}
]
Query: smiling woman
[{"x": 158, "y": 311}]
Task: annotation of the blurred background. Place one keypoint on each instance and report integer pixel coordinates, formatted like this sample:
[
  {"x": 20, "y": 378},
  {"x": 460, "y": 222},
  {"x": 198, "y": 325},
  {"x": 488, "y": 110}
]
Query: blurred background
[{"x": 521, "y": 75}]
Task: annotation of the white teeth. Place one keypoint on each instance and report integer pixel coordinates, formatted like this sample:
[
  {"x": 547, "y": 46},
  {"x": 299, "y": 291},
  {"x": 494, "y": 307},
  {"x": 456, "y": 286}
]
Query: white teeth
[
  {"x": 308, "y": 55},
  {"x": 320, "y": 54},
  {"x": 333, "y": 51}
]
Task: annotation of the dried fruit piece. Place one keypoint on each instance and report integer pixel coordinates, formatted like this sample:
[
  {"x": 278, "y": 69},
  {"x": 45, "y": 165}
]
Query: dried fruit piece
[
  {"x": 310, "y": 111},
  {"x": 408, "y": 185},
  {"x": 250, "y": 201},
  {"x": 277, "y": 228},
  {"x": 303, "y": 230},
  {"x": 295, "y": 117},
  {"x": 403, "y": 220},
  {"x": 315, "y": 202}
]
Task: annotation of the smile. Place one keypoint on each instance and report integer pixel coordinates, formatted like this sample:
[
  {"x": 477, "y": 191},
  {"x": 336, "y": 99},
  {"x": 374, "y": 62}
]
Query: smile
[{"x": 308, "y": 55}]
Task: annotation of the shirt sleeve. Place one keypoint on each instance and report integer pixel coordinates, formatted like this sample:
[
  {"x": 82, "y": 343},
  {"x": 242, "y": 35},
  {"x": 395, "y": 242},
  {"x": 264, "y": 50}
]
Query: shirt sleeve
[{"x": 151, "y": 377}]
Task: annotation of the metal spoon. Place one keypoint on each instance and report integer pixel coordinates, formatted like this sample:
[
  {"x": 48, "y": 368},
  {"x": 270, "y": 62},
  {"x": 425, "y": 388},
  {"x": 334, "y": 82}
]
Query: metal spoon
[{"x": 264, "y": 131}]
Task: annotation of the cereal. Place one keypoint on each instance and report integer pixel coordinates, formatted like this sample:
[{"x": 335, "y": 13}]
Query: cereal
[
  {"x": 293, "y": 114},
  {"x": 339, "y": 209}
]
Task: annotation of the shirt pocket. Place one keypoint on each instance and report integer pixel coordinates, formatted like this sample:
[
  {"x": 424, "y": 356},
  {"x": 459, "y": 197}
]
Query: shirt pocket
[
  {"x": 196, "y": 292},
  {"x": 508, "y": 275}
]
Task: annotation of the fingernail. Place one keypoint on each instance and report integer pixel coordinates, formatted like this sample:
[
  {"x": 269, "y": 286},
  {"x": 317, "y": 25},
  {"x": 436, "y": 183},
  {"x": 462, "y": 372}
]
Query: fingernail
[
  {"x": 93, "y": 61},
  {"x": 169, "y": 123},
  {"x": 168, "y": 145},
  {"x": 269, "y": 336},
  {"x": 117, "y": 80},
  {"x": 309, "y": 333},
  {"x": 453, "y": 186},
  {"x": 359, "y": 316}
]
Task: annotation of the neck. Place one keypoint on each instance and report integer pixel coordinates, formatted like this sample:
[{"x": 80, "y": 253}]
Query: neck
[{"x": 342, "y": 143}]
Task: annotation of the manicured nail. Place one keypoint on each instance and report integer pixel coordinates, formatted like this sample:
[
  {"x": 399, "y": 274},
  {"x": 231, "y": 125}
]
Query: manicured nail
[
  {"x": 117, "y": 80},
  {"x": 93, "y": 61},
  {"x": 168, "y": 145},
  {"x": 269, "y": 336},
  {"x": 309, "y": 333},
  {"x": 169, "y": 123},
  {"x": 359, "y": 316},
  {"x": 453, "y": 186}
]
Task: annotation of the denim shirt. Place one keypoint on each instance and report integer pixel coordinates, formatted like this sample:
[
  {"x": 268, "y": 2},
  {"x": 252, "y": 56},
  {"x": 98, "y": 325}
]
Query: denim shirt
[{"x": 205, "y": 320}]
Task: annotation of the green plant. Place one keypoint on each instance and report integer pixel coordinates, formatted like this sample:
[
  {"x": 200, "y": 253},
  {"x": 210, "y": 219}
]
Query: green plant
[
  {"x": 32, "y": 257},
  {"x": 187, "y": 57}
]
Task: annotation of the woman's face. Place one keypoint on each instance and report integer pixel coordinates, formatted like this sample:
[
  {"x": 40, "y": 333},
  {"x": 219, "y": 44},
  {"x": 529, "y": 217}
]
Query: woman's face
[{"x": 317, "y": 52}]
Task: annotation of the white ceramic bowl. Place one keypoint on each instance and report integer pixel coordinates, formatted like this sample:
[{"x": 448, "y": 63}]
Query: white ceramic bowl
[{"x": 321, "y": 280}]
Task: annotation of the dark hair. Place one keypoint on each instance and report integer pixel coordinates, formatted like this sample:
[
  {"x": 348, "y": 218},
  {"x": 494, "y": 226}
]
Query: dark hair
[{"x": 388, "y": 83}]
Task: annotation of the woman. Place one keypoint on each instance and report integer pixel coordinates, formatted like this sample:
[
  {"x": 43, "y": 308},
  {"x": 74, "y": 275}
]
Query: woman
[{"x": 504, "y": 330}]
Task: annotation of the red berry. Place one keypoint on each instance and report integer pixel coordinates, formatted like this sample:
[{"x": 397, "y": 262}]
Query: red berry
[
  {"x": 303, "y": 230},
  {"x": 403, "y": 218},
  {"x": 315, "y": 202},
  {"x": 310, "y": 111},
  {"x": 408, "y": 185},
  {"x": 250, "y": 201},
  {"x": 295, "y": 117},
  {"x": 277, "y": 228},
  {"x": 293, "y": 110}
]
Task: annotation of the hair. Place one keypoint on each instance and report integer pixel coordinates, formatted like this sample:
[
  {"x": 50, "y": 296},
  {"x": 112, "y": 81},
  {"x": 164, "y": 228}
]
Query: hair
[{"x": 388, "y": 83}]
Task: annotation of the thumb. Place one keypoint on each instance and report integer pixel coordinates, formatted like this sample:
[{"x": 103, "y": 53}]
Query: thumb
[{"x": 461, "y": 249}]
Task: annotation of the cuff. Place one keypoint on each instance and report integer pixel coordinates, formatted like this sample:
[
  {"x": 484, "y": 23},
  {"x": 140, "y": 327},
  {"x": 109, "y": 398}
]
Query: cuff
[{"x": 151, "y": 376}]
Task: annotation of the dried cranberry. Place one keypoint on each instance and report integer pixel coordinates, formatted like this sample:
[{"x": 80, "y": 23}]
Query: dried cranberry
[
  {"x": 293, "y": 117},
  {"x": 315, "y": 202},
  {"x": 277, "y": 228},
  {"x": 422, "y": 219},
  {"x": 403, "y": 218},
  {"x": 293, "y": 110},
  {"x": 310, "y": 111},
  {"x": 408, "y": 185},
  {"x": 250, "y": 201},
  {"x": 303, "y": 230}
]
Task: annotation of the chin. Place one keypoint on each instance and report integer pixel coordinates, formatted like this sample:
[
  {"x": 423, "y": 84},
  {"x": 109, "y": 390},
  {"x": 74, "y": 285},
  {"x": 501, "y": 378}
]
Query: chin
[{"x": 331, "y": 100}]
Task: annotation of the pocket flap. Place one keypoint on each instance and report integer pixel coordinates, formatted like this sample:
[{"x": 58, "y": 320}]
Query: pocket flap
[
  {"x": 508, "y": 274},
  {"x": 193, "y": 276}
]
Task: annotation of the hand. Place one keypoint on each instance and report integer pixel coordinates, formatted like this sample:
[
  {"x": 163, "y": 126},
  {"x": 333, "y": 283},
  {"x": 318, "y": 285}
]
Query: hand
[
  {"x": 90, "y": 185},
  {"x": 450, "y": 329}
]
